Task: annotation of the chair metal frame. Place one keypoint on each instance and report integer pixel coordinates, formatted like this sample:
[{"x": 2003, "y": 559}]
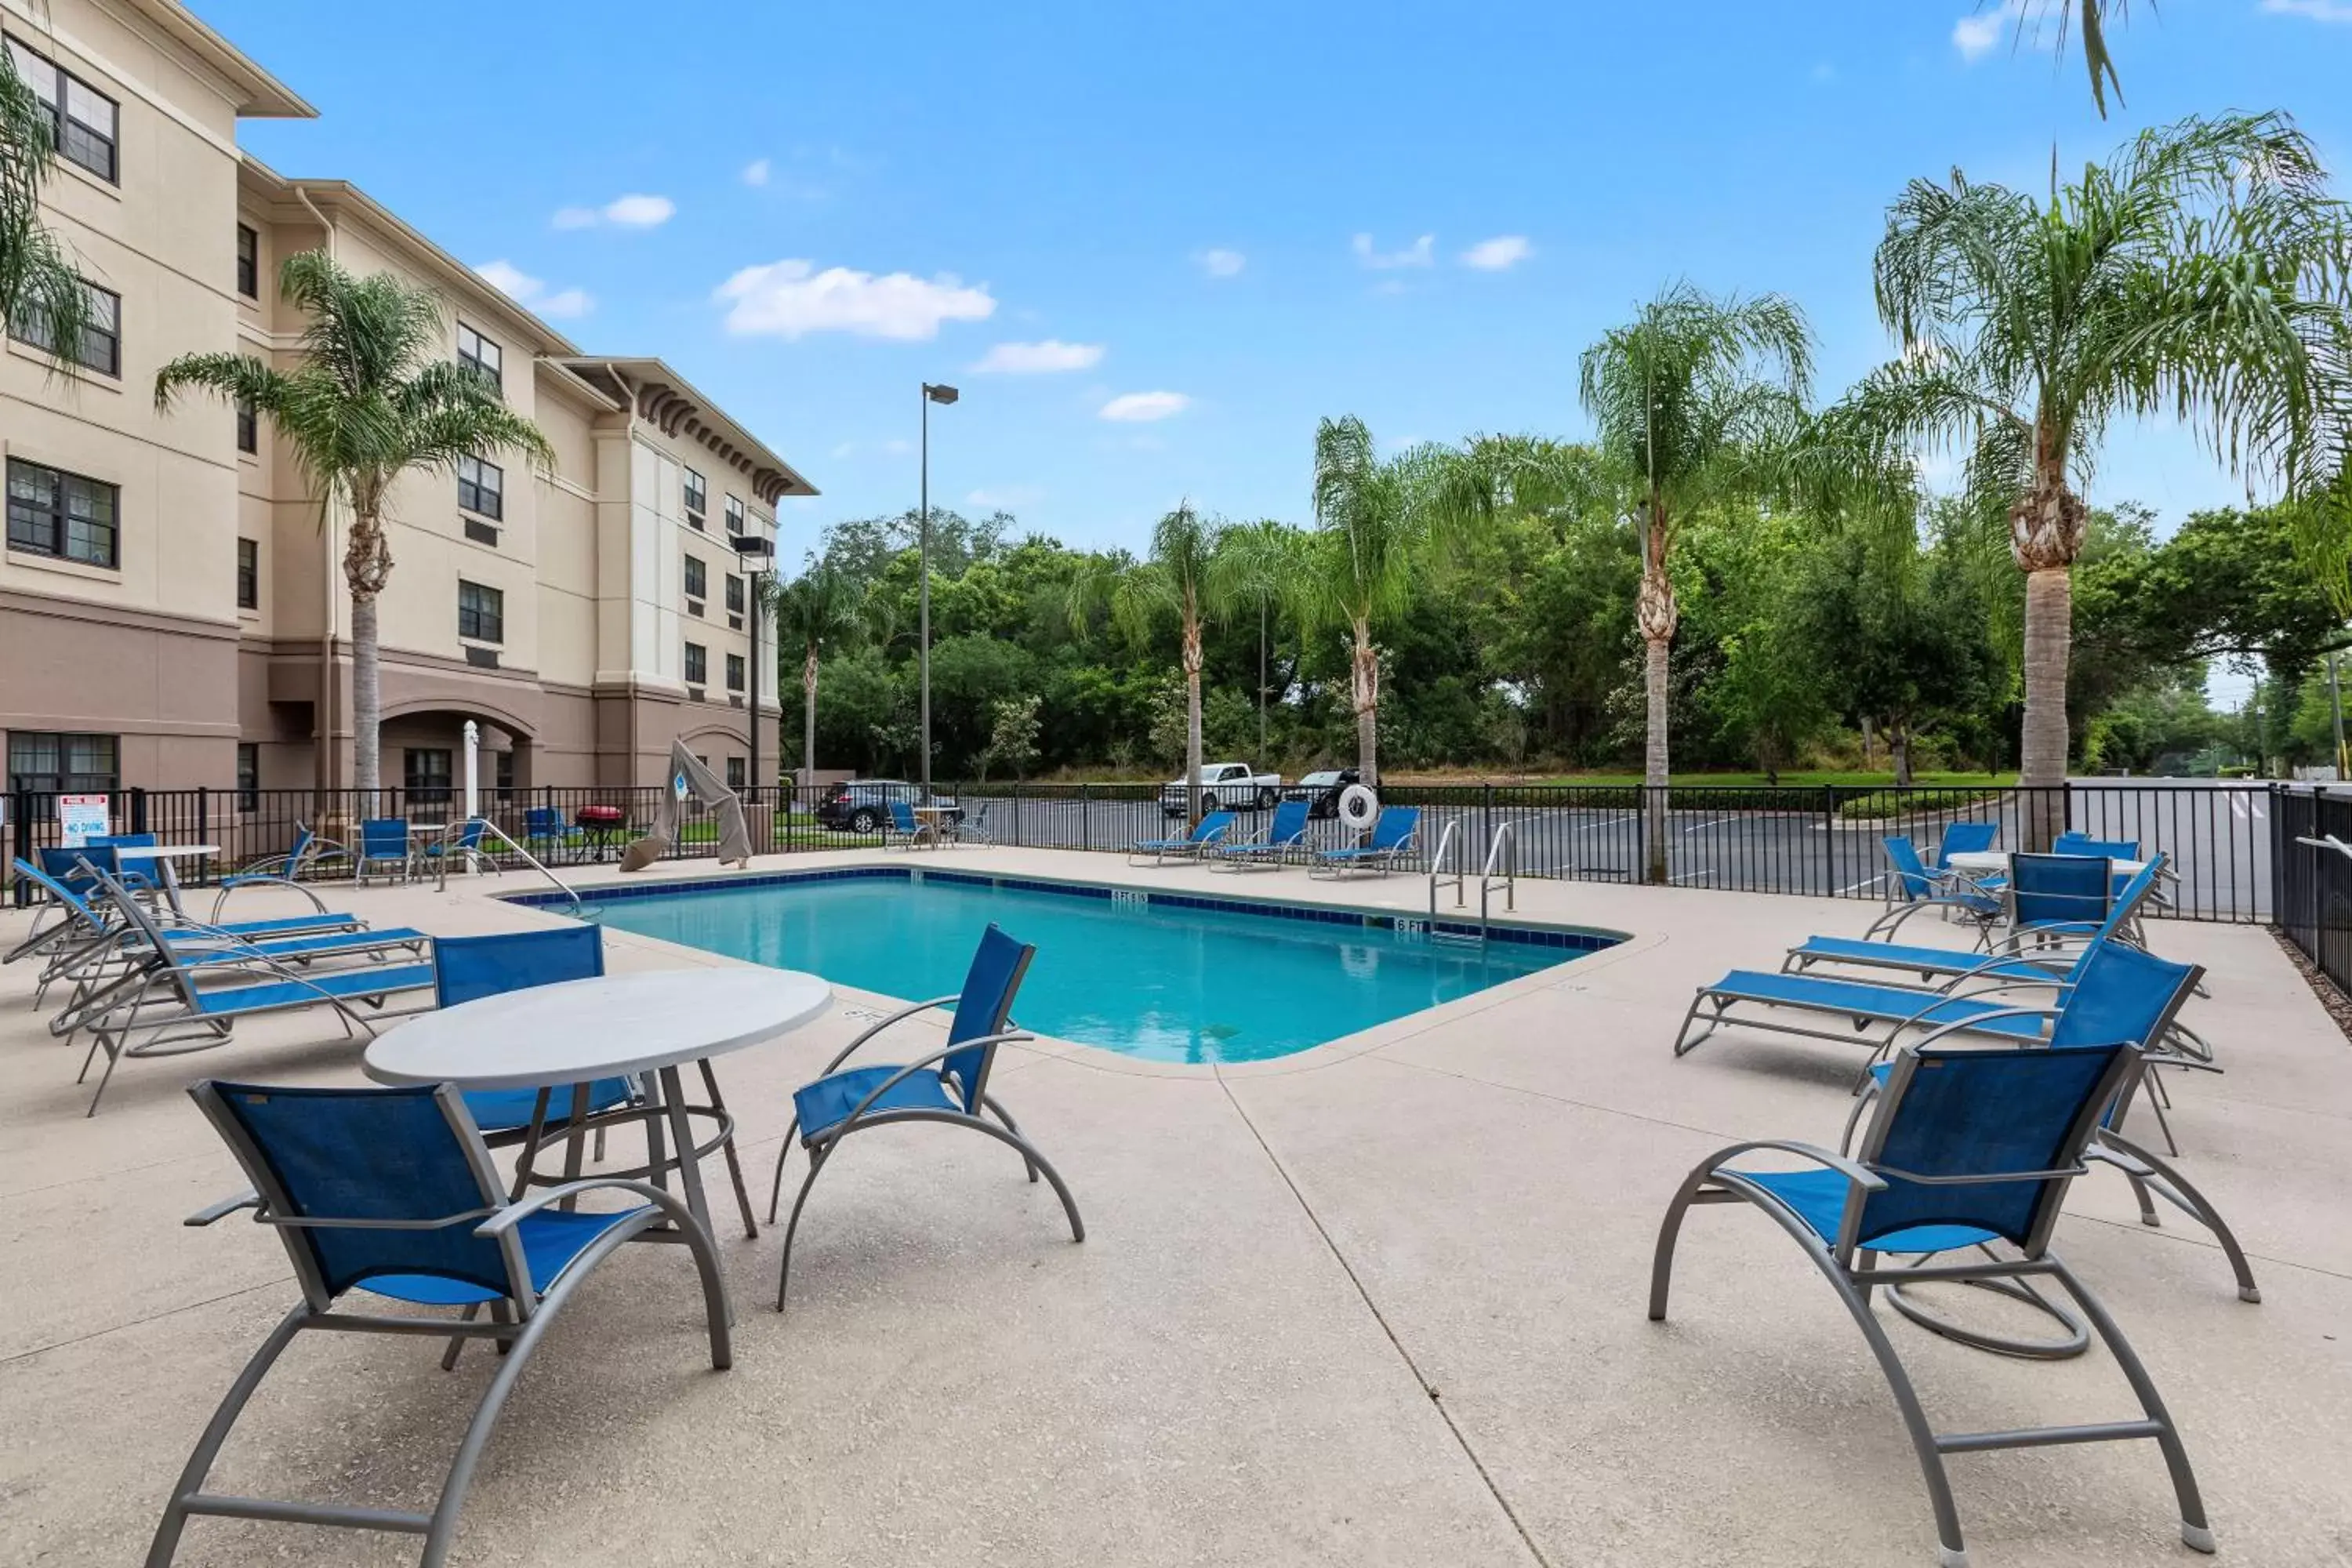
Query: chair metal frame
[
  {"x": 1918, "y": 887},
  {"x": 864, "y": 1116},
  {"x": 363, "y": 858},
  {"x": 518, "y": 1322},
  {"x": 1265, "y": 850},
  {"x": 1207, "y": 833},
  {"x": 1372, "y": 856},
  {"x": 1850, "y": 1266}
]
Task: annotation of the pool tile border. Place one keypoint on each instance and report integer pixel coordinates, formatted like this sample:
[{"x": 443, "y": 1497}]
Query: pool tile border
[{"x": 1569, "y": 938}]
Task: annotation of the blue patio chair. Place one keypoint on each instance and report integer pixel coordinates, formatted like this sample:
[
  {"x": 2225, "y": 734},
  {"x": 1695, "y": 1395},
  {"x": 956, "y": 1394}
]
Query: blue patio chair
[
  {"x": 978, "y": 828},
  {"x": 546, "y": 825},
  {"x": 383, "y": 842},
  {"x": 1207, "y": 833},
  {"x": 1914, "y": 886},
  {"x": 2054, "y": 952},
  {"x": 1969, "y": 1150},
  {"x": 391, "y": 1192},
  {"x": 1965, "y": 838},
  {"x": 2053, "y": 894},
  {"x": 2116, "y": 993},
  {"x": 164, "y": 1006},
  {"x": 309, "y": 852},
  {"x": 950, "y": 1085},
  {"x": 1284, "y": 840},
  {"x": 81, "y": 868},
  {"x": 466, "y": 841},
  {"x": 900, "y": 827},
  {"x": 2073, "y": 843},
  {"x": 468, "y": 968},
  {"x": 1392, "y": 842}
]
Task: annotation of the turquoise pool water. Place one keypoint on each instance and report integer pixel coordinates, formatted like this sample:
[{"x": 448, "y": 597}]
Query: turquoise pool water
[{"x": 1157, "y": 980}]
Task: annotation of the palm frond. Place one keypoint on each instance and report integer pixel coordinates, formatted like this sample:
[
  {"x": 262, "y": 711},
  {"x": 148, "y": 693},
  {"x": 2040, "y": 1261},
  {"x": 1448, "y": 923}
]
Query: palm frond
[{"x": 43, "y": 299}]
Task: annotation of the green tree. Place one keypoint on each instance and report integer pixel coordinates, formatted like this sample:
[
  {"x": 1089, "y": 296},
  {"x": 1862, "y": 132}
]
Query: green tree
[
  {"x": 1379, "y": 524},
  {"x": 1773, "y": 690},
  {"x": 1011, "y": 735},
  {"x": 818, "y": 612},
  {"x": 2199, "y": 273},
  {"x": 365, "y": 403},
  {"x": 1257, "y": 565},
  {"x": 1696, "y": 400},
  {"x": 1176, "y": 582},
  {"x": 42, "y": 297}
]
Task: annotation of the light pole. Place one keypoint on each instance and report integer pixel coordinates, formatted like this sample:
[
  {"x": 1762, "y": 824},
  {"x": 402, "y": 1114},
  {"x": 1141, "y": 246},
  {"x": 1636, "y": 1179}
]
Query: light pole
[
  {"x": 942, "y": 396},
  {"x": 752, "y": 553}
]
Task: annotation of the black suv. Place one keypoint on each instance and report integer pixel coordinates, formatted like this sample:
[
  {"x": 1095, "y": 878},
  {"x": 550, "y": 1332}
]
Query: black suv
[
  {"x": 1320, "y": 791},
  {"x": 863, "y": 805}
]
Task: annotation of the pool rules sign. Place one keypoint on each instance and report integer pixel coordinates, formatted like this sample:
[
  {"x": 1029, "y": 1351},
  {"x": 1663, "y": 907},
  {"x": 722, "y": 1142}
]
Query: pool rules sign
[{"x": 82, "y": 817}]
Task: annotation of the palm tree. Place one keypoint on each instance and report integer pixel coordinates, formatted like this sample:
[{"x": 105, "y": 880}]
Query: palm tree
[
  {"x": 1695, "y": 401},
  {"x": 364, "y": 403},
  {"x": 821, "y": 610},
  {"x": 42, "y": 297},
  {"x": 1378, "y": 523},
  {"x": 1175, "y": 580},
  {"x": 1257, "y": 563},
  {"x": 2200, "y": 272}
]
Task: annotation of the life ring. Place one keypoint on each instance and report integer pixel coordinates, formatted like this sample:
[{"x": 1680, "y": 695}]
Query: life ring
[{"x": 1359, "y": 806}]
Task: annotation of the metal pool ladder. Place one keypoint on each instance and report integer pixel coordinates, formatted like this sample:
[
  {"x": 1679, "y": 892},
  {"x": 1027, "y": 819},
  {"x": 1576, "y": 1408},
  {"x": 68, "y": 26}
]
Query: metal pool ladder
[{"x": 1501, "y": 870}]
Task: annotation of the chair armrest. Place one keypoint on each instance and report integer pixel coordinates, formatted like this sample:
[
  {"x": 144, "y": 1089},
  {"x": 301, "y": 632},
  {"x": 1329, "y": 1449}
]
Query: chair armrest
[
  {"x": 911, "y": 1068},
  {"x": 902, "y": 1015},
  {"x": 1852, "y": 1170},
  {"x": 264, "y": 879},
  {"x": 514, "y": 1213},
  {"x": 223, "y": 1209},
  {"x": 1961, "y": 1025}
]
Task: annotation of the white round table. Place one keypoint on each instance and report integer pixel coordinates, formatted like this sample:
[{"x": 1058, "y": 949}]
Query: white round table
[
  {"x": 161, "y": 856},
  {"x": 616, "y": 1025},
  {"x": 1984, "y": 862}
]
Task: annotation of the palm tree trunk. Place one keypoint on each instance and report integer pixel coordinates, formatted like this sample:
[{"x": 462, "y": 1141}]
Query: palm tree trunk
[
  {"x": 1657, "y": 615},
  {"x": 1193, "y": 791},
  {"x": 808, "y": 717},
  {"x": 2046, "y": 534},
  {"x": 367, "y": 705},
  {"x": 1899, "y": 745},
  {"x": 1367, "y": 693},
  {"x": 1261, "y": 682}
]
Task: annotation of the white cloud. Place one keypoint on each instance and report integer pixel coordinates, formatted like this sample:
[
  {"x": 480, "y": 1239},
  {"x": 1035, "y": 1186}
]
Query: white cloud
[
  {"x": 755, "y": 173},
  {"x": 1975, "y": 35},
  {"x": 1499, "y": 254},
  {"x": 1143, "y": 407},
  {"x": 1038, "y": 359},
  {"x": 524, "y": 290},
  {"x": 1421, "y": 252},
  {"x": 2316, "y": 10},
  {"x": 791, "y": 298},
  {"x": 1219, "y": 262},
  {"x": 1005, "y": 498},
  {"x": 633, "y": 211}
]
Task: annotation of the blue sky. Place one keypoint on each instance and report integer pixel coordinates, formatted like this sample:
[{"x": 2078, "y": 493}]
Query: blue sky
[{"x": 1189, "y": 232}]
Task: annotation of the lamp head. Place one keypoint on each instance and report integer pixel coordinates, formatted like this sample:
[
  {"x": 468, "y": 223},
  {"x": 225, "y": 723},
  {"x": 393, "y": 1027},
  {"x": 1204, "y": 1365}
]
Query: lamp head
[{"x": 941, "y": 394}]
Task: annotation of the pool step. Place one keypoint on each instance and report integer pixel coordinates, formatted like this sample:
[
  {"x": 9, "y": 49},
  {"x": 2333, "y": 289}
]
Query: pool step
[{"x": 1457, "y": 939}]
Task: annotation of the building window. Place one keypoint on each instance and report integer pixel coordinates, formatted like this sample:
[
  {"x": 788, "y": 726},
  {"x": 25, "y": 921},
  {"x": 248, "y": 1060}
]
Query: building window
[
  {"x": 248, "y": 263},
  {"x": 697, "y": 665},
  {"x": 734, "y": 595},
  {"x": 101, "y": 348},
  {"x": 735, "y": 774},
  {"x": 481, "y": 487},
  {"x": 698, "y": 580},
  {"x": 61, "y": 514},
  {"x": 697, "y": 499},
  {"x": 64, "y": 764},
  {"x": 82, "y": 118},
  {"x": 481, "y": 613},
  {"x": 482, "y": 357},
  {"x": 249, "y": 573},
  {"x": 424, "y": 774},
  {"x": 502, "y": 772},
  {"x": 734, "y": 672},
  {"x": 248, "y": 429},
  {"x": 734, "y": 517},
  {"x": 248, "y": 776}
]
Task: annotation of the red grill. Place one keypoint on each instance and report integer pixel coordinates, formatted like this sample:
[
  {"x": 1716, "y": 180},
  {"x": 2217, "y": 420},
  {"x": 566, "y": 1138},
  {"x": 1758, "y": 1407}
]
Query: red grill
[{"x": 598, "y": 816}]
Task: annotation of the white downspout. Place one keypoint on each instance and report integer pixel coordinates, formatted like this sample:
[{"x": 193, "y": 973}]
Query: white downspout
[{"x": 324, "y": 769}]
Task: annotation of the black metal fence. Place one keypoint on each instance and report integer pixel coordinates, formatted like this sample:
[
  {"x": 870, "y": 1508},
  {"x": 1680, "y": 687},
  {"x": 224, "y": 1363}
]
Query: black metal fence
[
  {"x": 2229, "y": 843},
  {"x": 2315, "y": 878}
]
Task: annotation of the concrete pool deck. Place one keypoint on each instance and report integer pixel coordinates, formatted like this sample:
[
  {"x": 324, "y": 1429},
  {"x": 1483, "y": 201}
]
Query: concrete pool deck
[{"x": 1378, "y": 1303}]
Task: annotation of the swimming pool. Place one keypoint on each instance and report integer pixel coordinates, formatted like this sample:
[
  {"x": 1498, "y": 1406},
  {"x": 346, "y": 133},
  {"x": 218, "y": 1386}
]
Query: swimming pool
[{"x": 1156, "y": 975}]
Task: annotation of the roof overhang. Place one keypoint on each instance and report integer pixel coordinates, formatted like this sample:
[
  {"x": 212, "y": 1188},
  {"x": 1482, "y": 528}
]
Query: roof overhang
[
  {"x": 257, "y": 94},
  {"x": 668, "y": 401}
]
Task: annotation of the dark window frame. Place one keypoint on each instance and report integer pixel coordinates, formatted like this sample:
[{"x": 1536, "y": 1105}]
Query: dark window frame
[
  {"x": 249, "y": 775},
  {"x": 697, "y": 665},
  {"x": 484, "y": 495},
  {"x": 735, "y": 523},
  {"x": 737, "y": 774},
  {"x": 734, "y": 595},
  {"x": 94, "y": 150},
  {"x": 60, "y": 520},
  {"x": 433, "y": 781},
  {"x": 698, "y": 497},
  {"x": 248, "y": 429},
  {"x": 738, "y": 667},
  {"x": 484, "y": 610},
  {"x": 100, "y": 349},
  {"x": 61, "y": 778},
  {"x": 698, "y": 578},
  {"x": 249, "y": 573},
  {"x": 490, "y": 367},
  {"x": 248, "y": 262}
]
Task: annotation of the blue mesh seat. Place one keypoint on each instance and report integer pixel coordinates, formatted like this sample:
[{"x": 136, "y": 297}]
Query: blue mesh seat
[
  {"x": 1962, "y": 1172},
  {"x": 1965, "y": 838},
  {"x": 900, "y": 827},
  {"x": 1207, "y": 833},
  {"x": 383, "y": 847},
  {"x": 1284, "y": 840},
  {"x": 2055, "y": 893},
  {"x": 1390, "y": 845},
  {"x": 2051, "y": 952},
  {"x": 951, "y": 1085},
  {"x": 391, "y": 1192},
  {"x": 1914, "y": 886},
  {"x": 75, "y": 868},
  {"x": 466, "y": 968}
]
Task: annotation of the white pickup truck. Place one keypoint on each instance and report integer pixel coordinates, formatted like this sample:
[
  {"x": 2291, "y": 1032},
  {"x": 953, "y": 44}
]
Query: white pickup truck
[{"x": 1229, "y": 786}]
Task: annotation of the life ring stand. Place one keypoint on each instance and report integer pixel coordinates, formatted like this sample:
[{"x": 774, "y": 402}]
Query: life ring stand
[{"x": 1358, "y": 807}]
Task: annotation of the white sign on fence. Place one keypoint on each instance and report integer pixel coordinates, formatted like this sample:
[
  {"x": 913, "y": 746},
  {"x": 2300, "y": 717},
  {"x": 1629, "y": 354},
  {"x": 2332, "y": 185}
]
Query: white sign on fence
[{"x": 82, "y": 817}]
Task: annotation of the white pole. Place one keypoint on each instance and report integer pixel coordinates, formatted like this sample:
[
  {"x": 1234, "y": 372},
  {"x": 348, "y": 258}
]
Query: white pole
[{"x": 473, "y": 770}]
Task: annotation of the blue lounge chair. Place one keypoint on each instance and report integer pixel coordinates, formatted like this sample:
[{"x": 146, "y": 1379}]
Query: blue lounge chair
[
  {"x": 2117, "y": 994},
  {"x": 1207, "y": 833},
  {"x": 80, "y": 868},
  {"x": 1914, "y": 887},
  {"x": 2051, "y": 954},
  {"x": 1969, "y": 1150},
  {"x": 1284, "y": 840},
  {"x": 1393, "y": 841},
  {"x": 165, "y": 1006},
  {"x": 950, "y": 1085},
  {"x": 900, "y": 827},
  {"x": 1965, "y": 838},
  {"x": 383, "y": 846},
  {"x": 544, "y": 825},
  {"x": 309, "y": 852},
  {"x": 2073, "y": 843},
  {"x": 465, "y": 842},
  {"x": 2054, "y": 894},
  {"x": 391, "y": 1192}
]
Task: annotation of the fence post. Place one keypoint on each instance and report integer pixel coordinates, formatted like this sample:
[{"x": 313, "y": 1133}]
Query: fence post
[
  {"x": 20, "y": 831},
  {"x": 138, "y": 809},
  {"x": 1829, "y": 841}
]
